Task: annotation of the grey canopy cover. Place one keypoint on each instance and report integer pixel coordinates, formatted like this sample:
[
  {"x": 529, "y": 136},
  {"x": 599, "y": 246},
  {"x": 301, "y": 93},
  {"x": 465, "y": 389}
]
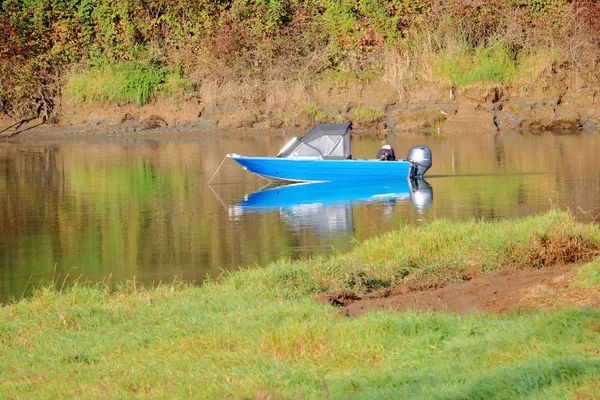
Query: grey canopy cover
[{"x": 326, "y": 141}]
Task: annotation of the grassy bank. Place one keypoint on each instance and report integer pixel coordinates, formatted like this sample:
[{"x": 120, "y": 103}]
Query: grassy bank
[{"x": 259, "y": 333}]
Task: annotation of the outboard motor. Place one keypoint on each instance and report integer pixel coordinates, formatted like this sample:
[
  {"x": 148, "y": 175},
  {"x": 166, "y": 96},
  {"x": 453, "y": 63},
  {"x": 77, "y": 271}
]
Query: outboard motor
[{"x": 420, "y": 159}]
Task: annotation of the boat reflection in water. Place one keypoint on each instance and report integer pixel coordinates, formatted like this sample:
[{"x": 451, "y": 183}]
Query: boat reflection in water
[{"x": 327, "y": 206}]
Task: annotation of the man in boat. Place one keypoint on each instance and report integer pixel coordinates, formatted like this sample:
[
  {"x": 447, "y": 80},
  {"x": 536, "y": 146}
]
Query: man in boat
[{"x": 386, "y": 153}]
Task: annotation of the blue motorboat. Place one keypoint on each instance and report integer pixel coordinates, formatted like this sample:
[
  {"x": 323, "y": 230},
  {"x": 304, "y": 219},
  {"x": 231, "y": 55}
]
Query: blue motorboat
[{"x": 323, "y": 155}]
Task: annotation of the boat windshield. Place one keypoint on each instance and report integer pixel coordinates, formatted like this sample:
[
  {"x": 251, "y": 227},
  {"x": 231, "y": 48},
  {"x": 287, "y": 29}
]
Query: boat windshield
[{"x": 324, "y": 141}]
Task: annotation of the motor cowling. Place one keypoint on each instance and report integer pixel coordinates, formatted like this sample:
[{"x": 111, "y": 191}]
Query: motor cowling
[{"x": 420, "y": 158}]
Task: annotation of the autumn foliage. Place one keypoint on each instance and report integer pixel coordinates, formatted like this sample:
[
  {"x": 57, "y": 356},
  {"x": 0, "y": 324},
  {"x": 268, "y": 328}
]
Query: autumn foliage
[{"x": 219, "y": 40}]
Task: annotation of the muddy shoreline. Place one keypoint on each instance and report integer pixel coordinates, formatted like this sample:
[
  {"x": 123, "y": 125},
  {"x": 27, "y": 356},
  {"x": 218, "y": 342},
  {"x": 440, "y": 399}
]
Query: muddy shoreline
[
  {"x": 562, "y": 104},
  {"x": 498, "y": 293}
]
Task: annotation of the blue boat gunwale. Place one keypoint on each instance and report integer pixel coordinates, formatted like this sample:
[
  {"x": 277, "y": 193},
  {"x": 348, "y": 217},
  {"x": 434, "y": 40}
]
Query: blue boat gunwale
[{"x": 367, "y": 168}]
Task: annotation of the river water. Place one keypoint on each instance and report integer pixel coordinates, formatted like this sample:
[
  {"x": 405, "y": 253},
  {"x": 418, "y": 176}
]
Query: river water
[{"x": 116, "y": 209}]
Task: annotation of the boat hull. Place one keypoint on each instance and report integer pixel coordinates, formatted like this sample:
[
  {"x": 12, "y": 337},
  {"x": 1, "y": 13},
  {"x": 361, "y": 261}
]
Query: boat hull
[{"x": 299, "y": 170}]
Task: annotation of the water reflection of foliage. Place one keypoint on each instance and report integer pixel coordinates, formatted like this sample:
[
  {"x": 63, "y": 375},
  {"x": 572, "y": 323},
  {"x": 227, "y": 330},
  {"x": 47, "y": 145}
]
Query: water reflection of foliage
[
  {"x": 34, "y": 172},
  {"x": 124, "y": 211}
]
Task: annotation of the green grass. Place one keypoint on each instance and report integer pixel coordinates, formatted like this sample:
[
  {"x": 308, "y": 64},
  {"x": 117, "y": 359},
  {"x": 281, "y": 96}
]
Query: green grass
[
  {"x": 119, "y": 83},
  {"x": 589, "y": 274},
  {"x": 366, "y": 115},
  {"x": 483, "y": 65},
  {"x": 464, "y": 66},
  {"x": 259, "y": 333},
  {"x": 320, "y": 116},
  {"x": 175, "y": 82},
  {"x": 444, "y": 249}
]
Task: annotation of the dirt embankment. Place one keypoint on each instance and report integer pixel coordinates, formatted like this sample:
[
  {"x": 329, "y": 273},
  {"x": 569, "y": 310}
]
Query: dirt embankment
[
  {"x": 562, "y": 104},
  {"x": 499, "y": 292}
]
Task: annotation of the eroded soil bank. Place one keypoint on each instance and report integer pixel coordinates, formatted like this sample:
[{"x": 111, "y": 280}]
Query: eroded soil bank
[
  {"x": 560, "y": 104},
  {"x": 499, "y": 292}
]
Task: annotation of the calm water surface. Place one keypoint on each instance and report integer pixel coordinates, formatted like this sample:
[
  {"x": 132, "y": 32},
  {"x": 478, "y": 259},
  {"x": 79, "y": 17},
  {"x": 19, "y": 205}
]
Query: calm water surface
[{"x": 116, "y": 209}]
